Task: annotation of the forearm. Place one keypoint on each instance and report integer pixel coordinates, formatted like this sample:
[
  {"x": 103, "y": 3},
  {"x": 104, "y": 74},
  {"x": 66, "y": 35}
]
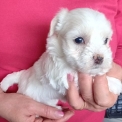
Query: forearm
[
  {"x": 1, "y": 91},
  {"x": 3, "y": 105}
]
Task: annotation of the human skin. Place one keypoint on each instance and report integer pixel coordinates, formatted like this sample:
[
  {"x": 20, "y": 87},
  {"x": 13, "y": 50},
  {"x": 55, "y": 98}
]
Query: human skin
[
  {"x": 19, "y": 108},
  {"x": 95, "y": 95}
]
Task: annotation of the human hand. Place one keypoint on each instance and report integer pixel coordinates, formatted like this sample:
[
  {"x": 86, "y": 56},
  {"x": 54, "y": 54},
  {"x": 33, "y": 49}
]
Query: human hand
[
  {"x": 19, "y": 108},
  {"x": 95, "y": 95}
]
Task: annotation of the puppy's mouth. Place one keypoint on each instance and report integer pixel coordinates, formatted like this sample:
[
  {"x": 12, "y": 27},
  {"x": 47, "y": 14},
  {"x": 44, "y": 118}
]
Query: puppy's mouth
[
  {"x": 96, "y": 66},
  {"x": 95, "y": 70}
]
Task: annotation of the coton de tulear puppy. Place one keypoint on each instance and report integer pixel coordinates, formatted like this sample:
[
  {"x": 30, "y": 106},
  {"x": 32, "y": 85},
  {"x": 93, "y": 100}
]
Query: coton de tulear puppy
[{"x": 78, "y": 41}]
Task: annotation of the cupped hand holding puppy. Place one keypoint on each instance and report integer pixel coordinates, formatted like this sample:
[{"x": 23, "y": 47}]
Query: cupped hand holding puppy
[
  {"x": 19, "y": 108},
  {"x": 95, "y": 95}
]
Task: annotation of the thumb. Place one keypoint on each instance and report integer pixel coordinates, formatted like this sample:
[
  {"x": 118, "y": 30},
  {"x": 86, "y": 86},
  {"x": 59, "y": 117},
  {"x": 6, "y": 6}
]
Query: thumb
[
  {"x": 73, "y": 96},
  {"x": 47, "y": 111},
  {"x": 102, "y": 95}
]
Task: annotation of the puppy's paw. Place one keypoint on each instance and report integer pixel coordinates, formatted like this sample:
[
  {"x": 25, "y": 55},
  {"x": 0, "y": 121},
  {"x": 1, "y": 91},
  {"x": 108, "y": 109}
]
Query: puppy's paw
[{"x": 115, "y": 85}]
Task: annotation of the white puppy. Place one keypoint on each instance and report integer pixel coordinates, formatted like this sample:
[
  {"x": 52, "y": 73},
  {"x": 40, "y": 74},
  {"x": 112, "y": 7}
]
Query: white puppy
[{"x": 78, "y": 40}]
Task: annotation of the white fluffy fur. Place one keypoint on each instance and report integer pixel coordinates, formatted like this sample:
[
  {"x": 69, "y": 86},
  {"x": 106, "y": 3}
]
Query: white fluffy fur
[{"x": 46, "y": 80}]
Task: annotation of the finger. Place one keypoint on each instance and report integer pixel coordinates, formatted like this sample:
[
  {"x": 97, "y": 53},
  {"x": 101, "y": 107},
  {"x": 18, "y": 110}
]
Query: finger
[
  {"x": 85, "y": 85},
  {"x": 73, "y": 94},
  {"x": 102, "y": 95},
  {"x": 67, "y": 116},
  {"x": 38, "y": 119},
  {"x": 27, "y": 118},
  {"x": 94, "y": 107},
  {"x": 86, "y": 90},
  {"x": 76, "y": 100},
  {"x": 46, "y": 111}
]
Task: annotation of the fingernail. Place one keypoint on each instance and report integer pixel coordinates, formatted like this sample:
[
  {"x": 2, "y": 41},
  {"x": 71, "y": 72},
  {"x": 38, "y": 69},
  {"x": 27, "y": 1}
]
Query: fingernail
[
  {"x": 70, "y": 77},
  {"x": 59, "y": 113}
]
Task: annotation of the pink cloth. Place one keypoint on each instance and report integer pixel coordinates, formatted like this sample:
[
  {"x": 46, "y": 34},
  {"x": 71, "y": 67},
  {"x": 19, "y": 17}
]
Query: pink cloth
[
  {"x": 24, "y": 25},
  {"x": 118, "y": 21}
]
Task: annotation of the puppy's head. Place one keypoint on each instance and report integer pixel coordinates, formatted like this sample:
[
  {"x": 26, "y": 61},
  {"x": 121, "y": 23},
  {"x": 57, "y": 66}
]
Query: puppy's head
[{"x": 82, "y": 38}]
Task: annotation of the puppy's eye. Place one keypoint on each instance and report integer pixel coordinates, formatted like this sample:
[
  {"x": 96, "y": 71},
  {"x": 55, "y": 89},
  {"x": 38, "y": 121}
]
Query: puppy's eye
[
  {"x": 106, "y": 40},
  {"x": 79, "y": 40}
]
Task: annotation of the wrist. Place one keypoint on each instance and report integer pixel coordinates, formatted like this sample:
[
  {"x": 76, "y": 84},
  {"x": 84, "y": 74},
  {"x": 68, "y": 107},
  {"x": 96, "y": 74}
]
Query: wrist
[{"x": 2, "y": 96}]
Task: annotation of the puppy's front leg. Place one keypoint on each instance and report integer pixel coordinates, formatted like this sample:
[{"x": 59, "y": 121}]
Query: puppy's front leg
[{"x": 114, "y": 85}]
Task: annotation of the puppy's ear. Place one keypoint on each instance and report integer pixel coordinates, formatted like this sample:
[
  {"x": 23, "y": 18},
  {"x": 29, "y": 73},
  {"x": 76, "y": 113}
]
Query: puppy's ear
[{"x": 57, "y": 21}]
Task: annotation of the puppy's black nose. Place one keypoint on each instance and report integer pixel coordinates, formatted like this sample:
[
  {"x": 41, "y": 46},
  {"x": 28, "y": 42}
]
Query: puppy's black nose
[{"x": 98, "y": 59}]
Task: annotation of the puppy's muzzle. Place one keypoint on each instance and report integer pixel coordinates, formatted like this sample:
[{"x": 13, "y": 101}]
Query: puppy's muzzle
[{"x": 98, "y": 59}]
